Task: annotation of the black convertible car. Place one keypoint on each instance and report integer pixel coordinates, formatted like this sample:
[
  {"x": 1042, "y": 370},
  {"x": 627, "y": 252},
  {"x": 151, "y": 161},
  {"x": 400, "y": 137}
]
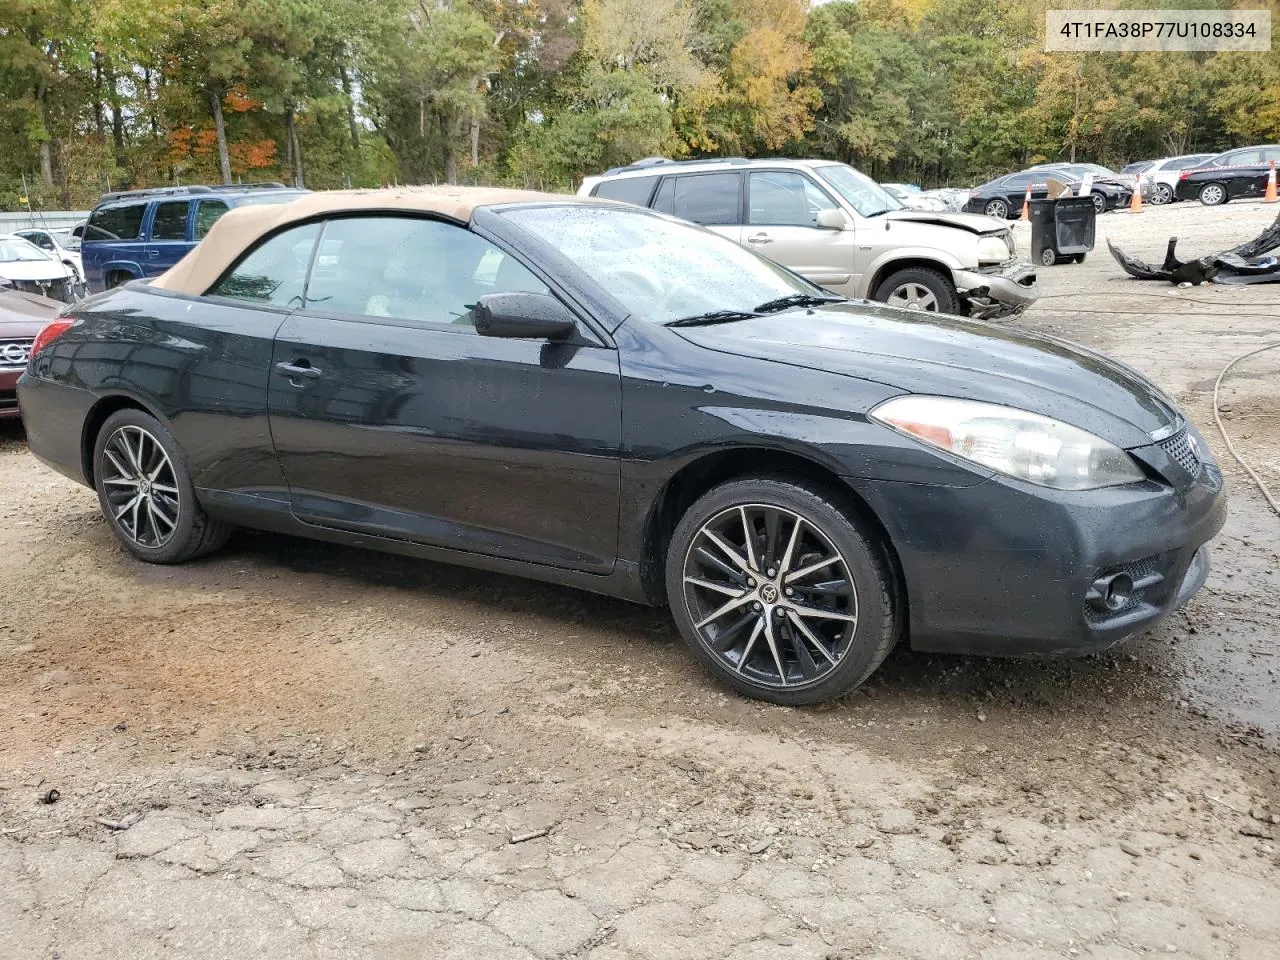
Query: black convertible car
[
  {"x": 1003, "y": 197},
  {"x": 593, "y": 394},
  {"x": 1233, "y": 175}
]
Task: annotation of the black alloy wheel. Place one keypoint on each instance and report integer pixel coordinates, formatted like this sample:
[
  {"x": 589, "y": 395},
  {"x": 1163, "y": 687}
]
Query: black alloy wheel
[
  {"x": 146, "y": 494},
  {"x": 779, "y": 593}
]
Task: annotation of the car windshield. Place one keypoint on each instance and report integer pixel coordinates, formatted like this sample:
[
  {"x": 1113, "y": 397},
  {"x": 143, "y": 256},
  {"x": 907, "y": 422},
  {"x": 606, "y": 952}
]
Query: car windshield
[
  {"x": 859, "y": 191},
  {"x": 15, "y": 248},
  {"x": 66, "y": 241},
  {"x": 660, "y": 269}
]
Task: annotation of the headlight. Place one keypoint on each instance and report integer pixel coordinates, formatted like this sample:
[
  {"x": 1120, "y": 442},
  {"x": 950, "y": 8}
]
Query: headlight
[
  {"x": 1015, "y": 442},
  {"x": 992, "y": 250}
]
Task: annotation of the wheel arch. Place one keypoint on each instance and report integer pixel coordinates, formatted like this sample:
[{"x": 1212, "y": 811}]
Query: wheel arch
[
  {"x": 714, "y": 468},
  {"x": 97, "y": 416},
  {"x": 885, "y": 270}
]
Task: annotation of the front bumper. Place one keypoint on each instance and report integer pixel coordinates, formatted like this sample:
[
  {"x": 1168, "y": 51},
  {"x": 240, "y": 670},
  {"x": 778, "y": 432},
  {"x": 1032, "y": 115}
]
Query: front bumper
[
  {"x": 1004, "y": 568},
  {"x": 1002, "y": 291},
  {"x": 9, "y": 393}
]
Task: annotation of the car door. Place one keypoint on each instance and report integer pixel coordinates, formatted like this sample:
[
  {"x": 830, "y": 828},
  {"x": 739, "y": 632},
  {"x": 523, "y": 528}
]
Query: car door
[
  {"x": 208, "y": 212},
  {"x": 713, "y": 200},
  {"x": 1014, "y": 188},
  {"x": 167, "y": 240},
  {"x": 782, "y": 224},
  {"x": 393, "y": 417}
]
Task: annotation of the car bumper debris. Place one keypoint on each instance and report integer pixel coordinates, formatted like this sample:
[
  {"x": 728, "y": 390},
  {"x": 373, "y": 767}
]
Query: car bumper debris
[
  {"x": 998, "y": 292},
  {"x": 1244, "y": 264}
]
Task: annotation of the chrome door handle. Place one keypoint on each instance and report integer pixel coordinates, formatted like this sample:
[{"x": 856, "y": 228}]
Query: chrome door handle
[
  {"x": 760, "y": 238},
  {"x": 299, "y": 371}
]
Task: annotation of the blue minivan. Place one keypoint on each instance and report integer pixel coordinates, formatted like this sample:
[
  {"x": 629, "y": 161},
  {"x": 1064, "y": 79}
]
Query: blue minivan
[{"x": 142, "y": 233}]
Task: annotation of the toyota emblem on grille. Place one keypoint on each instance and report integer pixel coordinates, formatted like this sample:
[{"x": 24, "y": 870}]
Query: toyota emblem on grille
[
  {"x": 44, "y": 287},
  {"x": 13, "y": 354}
]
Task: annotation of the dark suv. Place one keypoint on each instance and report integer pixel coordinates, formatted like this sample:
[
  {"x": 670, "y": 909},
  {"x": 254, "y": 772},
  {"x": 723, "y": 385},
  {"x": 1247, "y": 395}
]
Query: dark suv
[{"x": 142, "y": 233}]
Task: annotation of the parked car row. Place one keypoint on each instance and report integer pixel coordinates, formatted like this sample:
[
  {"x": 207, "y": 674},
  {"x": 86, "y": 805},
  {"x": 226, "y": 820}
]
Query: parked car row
[{"x": 1003, "y": 197}]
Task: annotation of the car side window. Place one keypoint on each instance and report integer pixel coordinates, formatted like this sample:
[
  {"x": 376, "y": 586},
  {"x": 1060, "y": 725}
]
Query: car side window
[
  {"x": 708, "y": 198},
  {"x": 207, "y": 214},
  {"x": 1240, "y": 157},
  {"x": 628, "y": 189},
  {"x": 275, "y": 272},
  {"x": 1018, "y": 180},
  {"x": 41, "y": 240},
  {"x": 414, "y": 269},
  {"x": 1270, "y": 153},
  {"x": 785, "y": 200},
  {"x": 169, "y": 222},
  {"x": 663, "y": 201},
  {"x": 115, "y": 223}
]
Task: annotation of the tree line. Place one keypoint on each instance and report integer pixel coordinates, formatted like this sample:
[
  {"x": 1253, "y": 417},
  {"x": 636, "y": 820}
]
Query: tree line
[{"x": 113, "y": 94}]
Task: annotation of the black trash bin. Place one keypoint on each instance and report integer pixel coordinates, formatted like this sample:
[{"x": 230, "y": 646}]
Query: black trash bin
[{"x": 1062, "y": 230}]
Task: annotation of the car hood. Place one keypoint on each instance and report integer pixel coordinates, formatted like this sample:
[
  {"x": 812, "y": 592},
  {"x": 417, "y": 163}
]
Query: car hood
[
  {"x": 972, "y": 222},
  {"x": 24, "y": 314},
  {"x": 33, "y": 270},
  {"x": 927, "y": 353}
]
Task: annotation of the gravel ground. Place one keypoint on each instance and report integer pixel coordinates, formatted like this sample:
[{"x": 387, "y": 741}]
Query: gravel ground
[{"x": 296, "y": 750}]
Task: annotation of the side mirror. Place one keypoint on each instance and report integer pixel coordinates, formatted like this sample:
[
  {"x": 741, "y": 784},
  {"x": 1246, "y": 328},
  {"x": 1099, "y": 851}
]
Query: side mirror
[
  {"x": 832, "y": 220},
  {"x": 530, "y": 316}
]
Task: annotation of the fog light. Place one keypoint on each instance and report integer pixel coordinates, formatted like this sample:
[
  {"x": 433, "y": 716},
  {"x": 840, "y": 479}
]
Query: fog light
[
  {"x": 1111, "y": 593},
  {"x": 1118, "y": 592}
]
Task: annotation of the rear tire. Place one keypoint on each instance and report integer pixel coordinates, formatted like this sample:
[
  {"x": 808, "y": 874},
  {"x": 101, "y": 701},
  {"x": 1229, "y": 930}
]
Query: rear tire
[
  {"x": 1163, "y": 194},
  {"x": 1213, "y": 195},
  {"x": 146, "y": 494},
  {"x": 814, "y": 628},
  {"x": 998, "y": 209}
]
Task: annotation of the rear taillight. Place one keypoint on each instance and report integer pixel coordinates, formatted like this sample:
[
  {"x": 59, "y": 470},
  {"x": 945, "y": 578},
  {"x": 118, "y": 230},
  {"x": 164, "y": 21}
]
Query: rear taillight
[
  {"x": 1184, "y": 174},
  {"x": 51, "y": 332}
]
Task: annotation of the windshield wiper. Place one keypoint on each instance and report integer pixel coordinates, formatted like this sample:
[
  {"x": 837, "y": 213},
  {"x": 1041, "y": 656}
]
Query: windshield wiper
[
  {"x": 713, "y": 316},
  {"x": 795, "y": 300}
]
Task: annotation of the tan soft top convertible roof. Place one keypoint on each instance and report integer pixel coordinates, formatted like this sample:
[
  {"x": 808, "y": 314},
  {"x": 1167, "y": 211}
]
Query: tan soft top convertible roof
[{"x": 240, "y": 228}]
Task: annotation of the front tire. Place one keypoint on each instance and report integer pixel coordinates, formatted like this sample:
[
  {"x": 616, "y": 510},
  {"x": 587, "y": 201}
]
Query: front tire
[
  {"x": 1099, "y": 203},
  {"x": 919, "y": 288},
  {"x": 1213, "y": 194},
  {"x": 146, "y": 494},
  {"x": 780, "y": 591}
]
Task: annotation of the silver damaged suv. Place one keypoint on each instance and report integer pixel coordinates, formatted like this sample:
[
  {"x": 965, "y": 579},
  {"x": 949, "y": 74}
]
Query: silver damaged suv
[{"x": 837, "y": 227}]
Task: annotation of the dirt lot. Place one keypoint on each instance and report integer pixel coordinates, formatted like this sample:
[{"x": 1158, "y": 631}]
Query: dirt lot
[{"x": 294, "y": 750}]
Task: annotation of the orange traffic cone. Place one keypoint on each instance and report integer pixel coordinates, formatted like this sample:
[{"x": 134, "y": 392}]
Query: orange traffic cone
[
  {"x": 1270, "y": 195},
  {"x": 1135, "y": 202},
  {"x": 1026, "y": 205}
]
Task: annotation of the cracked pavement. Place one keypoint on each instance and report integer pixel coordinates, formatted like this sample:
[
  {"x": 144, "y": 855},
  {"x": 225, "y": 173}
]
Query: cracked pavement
[{"x": 295, "y": 751}]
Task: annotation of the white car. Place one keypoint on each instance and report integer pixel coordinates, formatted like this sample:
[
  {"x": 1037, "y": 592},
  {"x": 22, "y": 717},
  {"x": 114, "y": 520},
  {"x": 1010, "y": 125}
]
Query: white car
[
  {"x": 1164, "y": 174},
  {"x": 24, "y": 266},
  {"x": 838, "y": 228},
  {"x": 59, "y": 244},
  {"x": 912, "y": 198}
]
